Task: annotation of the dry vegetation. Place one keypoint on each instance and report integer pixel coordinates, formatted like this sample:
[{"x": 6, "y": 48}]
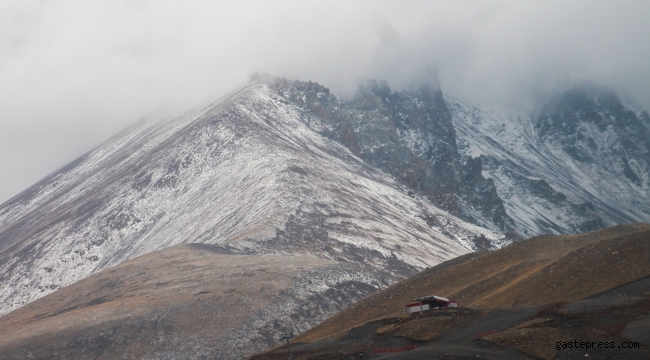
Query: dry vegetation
[
  {"x": 542, "y": 270},
  {"x": 184, "y": 296},
  {"x": 516, "y": 302}
]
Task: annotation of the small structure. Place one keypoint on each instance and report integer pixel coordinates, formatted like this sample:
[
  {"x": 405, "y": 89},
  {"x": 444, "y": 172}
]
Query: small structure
[
  {"x": 430, "y": 302},
  {"x": 287, "y": 337}
]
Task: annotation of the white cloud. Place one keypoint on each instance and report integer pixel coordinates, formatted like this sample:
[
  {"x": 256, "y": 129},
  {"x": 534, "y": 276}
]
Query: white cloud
[{"x": 73, "y": 73}]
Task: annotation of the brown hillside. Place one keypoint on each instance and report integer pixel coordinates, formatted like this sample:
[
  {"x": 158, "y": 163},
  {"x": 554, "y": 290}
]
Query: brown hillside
[
  {"x": 184, "y": 301},
  {"x": 535, "y": 272}
]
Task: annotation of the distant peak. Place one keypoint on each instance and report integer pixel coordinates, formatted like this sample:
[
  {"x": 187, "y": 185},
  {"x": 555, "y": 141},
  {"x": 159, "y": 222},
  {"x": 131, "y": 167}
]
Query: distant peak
[
  {"x": 257, "y": 78},
  {"x": 381, "y": 88},
  {"x": 374, "y": 87},
  {"x": 592, "y": 92}
]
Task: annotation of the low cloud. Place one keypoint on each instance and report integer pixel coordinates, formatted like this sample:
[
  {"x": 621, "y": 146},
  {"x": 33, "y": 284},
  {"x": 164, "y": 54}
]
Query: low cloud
[{"x": 75, "y": 72}]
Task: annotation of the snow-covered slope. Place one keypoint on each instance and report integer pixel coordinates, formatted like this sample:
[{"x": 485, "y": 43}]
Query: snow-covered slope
[
  {"x": 408, "y": 134},
  {"x": 245, "y": 173},
  {"x": 564, "y": 170}
]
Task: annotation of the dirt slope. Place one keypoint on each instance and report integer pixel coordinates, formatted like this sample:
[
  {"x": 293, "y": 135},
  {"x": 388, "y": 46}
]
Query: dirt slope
[
  {"x": 526, "y": 297},
  {"x": 188, "y": 301}
]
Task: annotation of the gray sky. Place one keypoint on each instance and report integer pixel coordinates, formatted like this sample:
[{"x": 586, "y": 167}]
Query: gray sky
[{"x": 73, "y": 73}]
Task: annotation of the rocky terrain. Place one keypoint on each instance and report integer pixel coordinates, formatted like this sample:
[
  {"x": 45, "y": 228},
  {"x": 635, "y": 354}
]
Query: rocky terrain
[
  {"x": 245, "y": 173},
  {"x": 408, "y": 134},
  {"x": 189, "y": 301},
  {"x": 514, "y": 303},
  {"x": 580, "y": 164},
  {"x": 373, "y": 189}
]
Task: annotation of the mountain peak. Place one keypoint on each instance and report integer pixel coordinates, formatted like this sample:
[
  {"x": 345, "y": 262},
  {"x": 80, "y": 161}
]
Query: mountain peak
[
  {"x": 377, "y": 187},
  {"x": 253, "y": 174}
]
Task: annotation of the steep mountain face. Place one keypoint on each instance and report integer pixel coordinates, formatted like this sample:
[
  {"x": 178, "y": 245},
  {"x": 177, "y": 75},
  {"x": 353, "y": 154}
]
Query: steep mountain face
[
  {"x": 245, "y": 173},
  {"x": 593, "y": 127},
  {"x": 581, "y": 164},
  {"x": 408, "y": 134}
]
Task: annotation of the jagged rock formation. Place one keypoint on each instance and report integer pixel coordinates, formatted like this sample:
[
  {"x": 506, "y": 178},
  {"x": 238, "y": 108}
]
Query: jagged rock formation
[
  {"x": 581, "y": 164},
  {"x": 408, "y": 134},
  {"x": 515, "y": 173}
]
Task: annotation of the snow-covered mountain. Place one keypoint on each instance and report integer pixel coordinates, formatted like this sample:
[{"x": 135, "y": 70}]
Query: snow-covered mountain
[
  {"x": 373, "y": 188},
  {"x": 246, "y": 173},
  {"x": 408, "y": 134},
  {"x": 580, "y": 164}
]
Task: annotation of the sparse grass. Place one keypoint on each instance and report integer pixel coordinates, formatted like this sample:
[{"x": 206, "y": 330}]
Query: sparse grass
[{"x": 538, "y": 271}]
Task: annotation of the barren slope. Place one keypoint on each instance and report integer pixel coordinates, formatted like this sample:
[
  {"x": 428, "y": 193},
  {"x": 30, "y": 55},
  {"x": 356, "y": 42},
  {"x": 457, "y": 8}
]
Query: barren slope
[
  {"x": 523, "y": 298},
  {"x": 190, "y": 301}
]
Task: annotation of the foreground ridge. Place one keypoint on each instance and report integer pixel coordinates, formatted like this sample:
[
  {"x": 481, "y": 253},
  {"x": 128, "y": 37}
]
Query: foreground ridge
[{"x": 517, "y": 302}]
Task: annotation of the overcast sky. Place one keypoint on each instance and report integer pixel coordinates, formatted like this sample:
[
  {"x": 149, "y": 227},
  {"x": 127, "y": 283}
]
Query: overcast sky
[{"x": 73, "y": 73}]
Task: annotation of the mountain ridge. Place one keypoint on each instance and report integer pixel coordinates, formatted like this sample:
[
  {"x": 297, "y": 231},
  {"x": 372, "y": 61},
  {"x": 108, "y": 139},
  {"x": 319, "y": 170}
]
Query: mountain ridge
[
  {"x": 516, "y": 302},
  {"x": 544, "y": 186},
  {"x": 383, "y": 184},
  {"x": 162, "y": 177}
]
